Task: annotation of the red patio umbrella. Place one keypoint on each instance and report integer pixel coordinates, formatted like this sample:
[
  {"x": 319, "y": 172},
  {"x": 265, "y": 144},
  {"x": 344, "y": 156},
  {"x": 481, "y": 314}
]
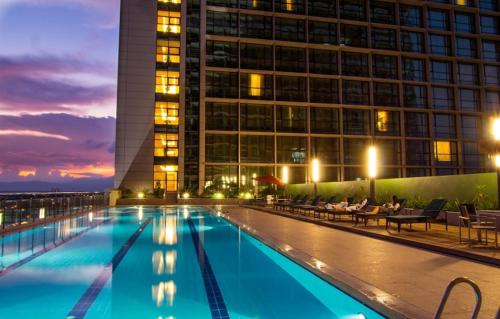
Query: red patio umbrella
[{"x": 269, "y": 179}]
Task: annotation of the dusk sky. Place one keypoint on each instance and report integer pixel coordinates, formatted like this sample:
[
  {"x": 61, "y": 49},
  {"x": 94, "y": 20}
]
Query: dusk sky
[{"x": 58, "y": 65}]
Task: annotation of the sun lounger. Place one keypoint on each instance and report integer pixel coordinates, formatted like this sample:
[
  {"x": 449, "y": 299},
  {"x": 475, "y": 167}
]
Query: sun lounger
[{"x": 426, "y": 217}]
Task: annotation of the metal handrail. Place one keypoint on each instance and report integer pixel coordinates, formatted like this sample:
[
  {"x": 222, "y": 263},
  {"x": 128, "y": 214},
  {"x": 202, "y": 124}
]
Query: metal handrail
[{"x": 447, "y": 292}]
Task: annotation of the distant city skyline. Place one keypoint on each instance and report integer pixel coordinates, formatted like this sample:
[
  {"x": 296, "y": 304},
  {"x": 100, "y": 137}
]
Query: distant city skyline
[{"x": 58, "y": 66}]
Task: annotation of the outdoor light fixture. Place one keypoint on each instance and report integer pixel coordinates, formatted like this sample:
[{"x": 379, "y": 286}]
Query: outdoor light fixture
[
  {"x": 285, "y": 174},
  {"x": 495, "y": 131},
  {"x": 140, "y": 195},
  {"x": 185, "y": 195},
  {"x": 372, "y": 169},
  {"x": 315, "y": 174},
  {"x": 41, "y": 213}
]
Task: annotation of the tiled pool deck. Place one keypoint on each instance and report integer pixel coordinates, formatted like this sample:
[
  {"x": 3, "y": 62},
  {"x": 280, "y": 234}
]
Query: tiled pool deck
[{"x": 408, "y": 280}]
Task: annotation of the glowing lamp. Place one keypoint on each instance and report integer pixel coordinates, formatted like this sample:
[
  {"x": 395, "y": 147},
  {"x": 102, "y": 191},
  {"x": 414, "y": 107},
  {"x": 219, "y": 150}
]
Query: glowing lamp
[
  {"x": 372, "y": 162},
  {"x": 185, "y": 195},
  {"x": 495, "y": 129},
  {"x": 497, "y": 160},
  {"x": 140, "y": 195},
  {"x": 285, "y": 174},
  {"x": 41, "y": 213},
  {"x": 315, "y": 170}
]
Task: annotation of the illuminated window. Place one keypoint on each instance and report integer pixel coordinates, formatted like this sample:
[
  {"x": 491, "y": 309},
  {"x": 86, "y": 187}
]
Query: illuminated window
[
  {"x": 169, "y": 22},
  {"x": 256, "y": 84},
  {"x": 382, "y": 121},
  {"x": 168, "y": 51},
  {"x": 442, "y": 151},
  {"x": 289, "y": 4},
  {"x": 166, "y": 113},
  {"x": 166, "y": 145},
  {"x": 165, "y": 177},
  {"x": 167, "y": 82}
]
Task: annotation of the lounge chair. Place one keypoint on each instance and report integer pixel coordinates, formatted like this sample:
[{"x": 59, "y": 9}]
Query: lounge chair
[
  {"x": 426, "y": 217},
  {"x": 320, "y": 208},
  {"x": 313, "y": 204},
  {"x": 348, "y": 211},
  {"x": 379, "y": 214},
  {"x": 281, "y": 204},
  {"x": 481, "y": 223},
  {"x": 371, "y": 212},
  {"x": 303, "y": 201}
]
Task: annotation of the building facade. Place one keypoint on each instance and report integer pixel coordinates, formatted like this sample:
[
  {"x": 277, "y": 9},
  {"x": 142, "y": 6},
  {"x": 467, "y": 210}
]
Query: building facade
[{"x": 213, "y": 93}]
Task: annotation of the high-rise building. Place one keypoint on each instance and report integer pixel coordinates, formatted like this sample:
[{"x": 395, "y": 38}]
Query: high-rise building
[{"x": 215, "y": 92}]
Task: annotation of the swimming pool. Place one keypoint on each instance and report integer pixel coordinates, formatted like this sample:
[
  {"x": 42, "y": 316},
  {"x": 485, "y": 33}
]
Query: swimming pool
[{"x": 158, "y": 263}]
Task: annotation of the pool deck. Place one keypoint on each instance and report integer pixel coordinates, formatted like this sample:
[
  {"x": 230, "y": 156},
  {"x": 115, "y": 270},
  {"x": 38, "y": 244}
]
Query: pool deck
[{"x": 400, "y": 281}]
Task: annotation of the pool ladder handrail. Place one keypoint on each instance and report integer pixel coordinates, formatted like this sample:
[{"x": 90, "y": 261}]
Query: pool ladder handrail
[{"x": 447, "y": 292}]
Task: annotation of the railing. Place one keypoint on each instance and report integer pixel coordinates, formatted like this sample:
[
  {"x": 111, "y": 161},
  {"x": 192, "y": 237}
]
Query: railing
[
  {"x": 447, "y": 292},
  {"x": 20, "y": 209}
]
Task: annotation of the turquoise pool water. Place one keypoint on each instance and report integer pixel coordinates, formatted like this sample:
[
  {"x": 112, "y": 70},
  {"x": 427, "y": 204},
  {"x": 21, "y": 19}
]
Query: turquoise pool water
[{"x": 158, "y": 263}]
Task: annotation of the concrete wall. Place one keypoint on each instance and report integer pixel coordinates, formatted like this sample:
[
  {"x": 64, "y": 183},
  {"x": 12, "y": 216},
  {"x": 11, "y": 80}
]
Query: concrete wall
[{"x": 136, "y": 92}]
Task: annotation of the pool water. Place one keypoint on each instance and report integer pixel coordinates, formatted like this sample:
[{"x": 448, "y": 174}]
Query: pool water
[{"x": 158, "y": 263}]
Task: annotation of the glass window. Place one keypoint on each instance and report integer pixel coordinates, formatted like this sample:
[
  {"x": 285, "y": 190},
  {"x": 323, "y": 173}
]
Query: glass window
[
  {"x": 410, "y": 16},
  {"x": 415, "y": 96},
  {"x": 353, "y": 36},
  {"x": 222, "y": 84},
  {"x": 323, "y": 61},
  {"x": 419, "y": 154},
  {"x": 355, "y": 152},
  {"x": 356, "y": 122},
  {"x": 384, "y": 39},
  {"x": 353, "y": 9},
  {"x": 167, "y": 113},
  {"x": 221, "y": 116},
  {"x": 222, "y": 54},
  {"x": 290, "y": 6},
  {"x": 488, "y": 5},
  {"x": 222, "y": 23},
  {"x": 291, "y": 149},
  {"x": 386, "y": 123},
  {"x": 442, "y": 98},
  {"x": 438, "y": 19},
  {"x": 412, "y": 42},
  {"x": 466, "y": 47},
  {"x": 256, "y": 117},
  {"x": 222, "y": 178},
  {"x": 322, "y": 8},
  {"x": 414, "y": 69},
  {"x": 444, "y": 126},
  {"x": 356, "y": 92},
  {"x": 291, "y": 119},
  {"x": 290, "y": 29},
  {"x": 382, "y": 12},
  {"x": 168, "y": 53},
  {"x": 491, "y": 50},
  {"x": 168, "y": 22},
  {"x": 418, "y": 171},
  {"x": 256, "y": 26},
  {"x": 291, "y": 88},
  {"x": 166, "y": 145},
  {"x": 385, "y": 94},
  {"x": 468, "y": 74},
  {"x": 323, "y": 90},
  {"x": 471, "y": 127},
  {"x": 355, "y": 64},
  {"x": 257, "y": 149},
  {"x": 322, "y": 32},
  {"x": 221, "y": 148},
  {"x": 489, "y": 24},
  {"x": 290, "y": 59},
  {"x": 445, "y": 154},
  {"x": 472, "y": 154},
  {"x": 223, "y": 3},
  {"x": 441, "y": 72},
  {"x": 464, "y": 22},
  {"x": 416, "y": 124},
  {"x": 327, "y": 150},
  {"x": 167, "y": 83},
  {"x": 390, "y": 153},
  {"x": 264, "y": 5},
  {"x": 256, "y": 86},
  {"x": 469, "y": 100},
  {"x": 385, "y": 66},
  {"x": 440, "y": 44},
  {"x": 256, "y": 56},
  {"x": 492, "y": 104},
  {"x": 324, "y": 120},
  {"x": 491, "y": 75}
]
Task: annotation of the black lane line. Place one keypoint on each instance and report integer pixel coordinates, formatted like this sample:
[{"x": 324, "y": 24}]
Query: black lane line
[
  {"x": 48, "y": 248},
  {"x": 215, "y": 300},
  {"x": 87, "y": 300}
]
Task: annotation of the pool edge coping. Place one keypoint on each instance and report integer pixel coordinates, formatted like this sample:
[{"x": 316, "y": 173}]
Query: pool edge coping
[{"x": 378, "y": 300}]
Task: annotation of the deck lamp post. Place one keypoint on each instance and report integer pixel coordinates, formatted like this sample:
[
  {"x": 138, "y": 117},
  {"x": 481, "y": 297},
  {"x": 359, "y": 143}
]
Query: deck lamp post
[
  {"x": 285, "y": 177},
  {"x": 372, "y": 169},
  {"x": 315, "y": 174},
  {"x": 495, "y": 128}
]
